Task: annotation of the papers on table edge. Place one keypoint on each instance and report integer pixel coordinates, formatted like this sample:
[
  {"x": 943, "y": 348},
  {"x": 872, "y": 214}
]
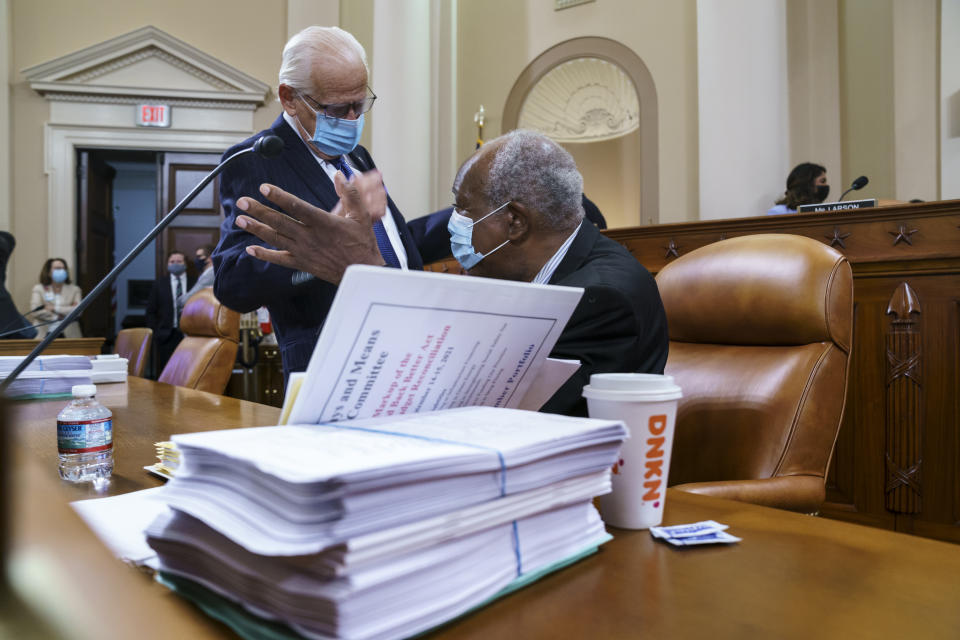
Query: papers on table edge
[
  {"x": 55, "y": 375},
  {"x": 553, "y": 373}
]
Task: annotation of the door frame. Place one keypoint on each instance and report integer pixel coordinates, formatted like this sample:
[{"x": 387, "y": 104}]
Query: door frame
[{"x": 60, "y": 165}]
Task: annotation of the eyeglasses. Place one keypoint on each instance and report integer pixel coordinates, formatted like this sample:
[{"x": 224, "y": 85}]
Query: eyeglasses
[{"x": 341, "y": 109}]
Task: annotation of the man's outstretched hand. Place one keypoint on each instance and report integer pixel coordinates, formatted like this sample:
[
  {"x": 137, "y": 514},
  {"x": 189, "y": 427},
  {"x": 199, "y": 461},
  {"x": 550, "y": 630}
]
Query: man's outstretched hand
[{"x": 310, "y": 239}]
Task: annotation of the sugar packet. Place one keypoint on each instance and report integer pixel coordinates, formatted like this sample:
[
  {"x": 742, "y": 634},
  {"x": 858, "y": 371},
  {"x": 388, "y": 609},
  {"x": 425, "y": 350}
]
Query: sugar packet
[
  {"x": 687, "y": 530},
  {"x": 705, "y": 532},
  {"x": 716, "y": 537}
]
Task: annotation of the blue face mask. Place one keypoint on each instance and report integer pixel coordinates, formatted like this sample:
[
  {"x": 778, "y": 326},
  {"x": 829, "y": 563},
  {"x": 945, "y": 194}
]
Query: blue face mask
[
  {"x": 336, "y": 136},
  {"x": 461, "y": 238},
  {"x": 176, "y": 268},
  {"x": 59, "y": 275}
]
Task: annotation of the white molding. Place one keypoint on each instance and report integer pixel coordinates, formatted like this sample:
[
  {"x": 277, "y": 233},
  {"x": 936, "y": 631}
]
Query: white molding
[
  {"x": 60, "y": 151},
  {"x": 166, "y": 99},
  {"x": 129, "y": 44},
  {"x": 586, "y": 99}
]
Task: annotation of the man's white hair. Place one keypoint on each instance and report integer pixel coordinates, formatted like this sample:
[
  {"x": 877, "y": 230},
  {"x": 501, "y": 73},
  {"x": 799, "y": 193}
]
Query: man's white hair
[
  {"x": 313, "y": 43},
  {"x": 532, "y": 169}
]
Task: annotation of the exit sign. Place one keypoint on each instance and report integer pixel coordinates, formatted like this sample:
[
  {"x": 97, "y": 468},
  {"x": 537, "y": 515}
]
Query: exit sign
[{"x": 153, "y": 115}]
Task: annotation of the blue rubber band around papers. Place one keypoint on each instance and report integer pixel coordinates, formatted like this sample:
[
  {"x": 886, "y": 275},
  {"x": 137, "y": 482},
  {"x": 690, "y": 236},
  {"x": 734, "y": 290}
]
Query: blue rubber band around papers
[{"x": 503, "y": 468}]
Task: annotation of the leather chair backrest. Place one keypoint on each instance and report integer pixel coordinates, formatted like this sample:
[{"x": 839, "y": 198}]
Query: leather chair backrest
[
  {"x": 134, "y": 345},
  {"x": 760, "y": 338},
  {"x": 204, "y": 358}
]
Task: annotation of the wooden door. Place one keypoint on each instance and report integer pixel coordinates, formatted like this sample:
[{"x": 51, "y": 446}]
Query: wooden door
[
  {"x": 199, "y": 223},
  {"x": 95, "y": 241}
]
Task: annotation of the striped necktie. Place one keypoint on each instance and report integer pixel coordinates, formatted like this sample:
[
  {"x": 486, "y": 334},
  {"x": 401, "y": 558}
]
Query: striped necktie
[
  {"x": 383, "y": 241},
  {"x": 176, "y": 302}
]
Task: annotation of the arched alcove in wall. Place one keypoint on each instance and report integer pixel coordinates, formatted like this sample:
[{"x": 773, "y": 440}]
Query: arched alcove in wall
[{"x": 611, "y": 134}]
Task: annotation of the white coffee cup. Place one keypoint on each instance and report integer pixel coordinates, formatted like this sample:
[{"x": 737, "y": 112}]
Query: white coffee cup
[{"x": 647, "y": 404}]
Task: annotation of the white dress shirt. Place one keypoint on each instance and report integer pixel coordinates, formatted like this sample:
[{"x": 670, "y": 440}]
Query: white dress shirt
[{"x": 546, "y": 271}]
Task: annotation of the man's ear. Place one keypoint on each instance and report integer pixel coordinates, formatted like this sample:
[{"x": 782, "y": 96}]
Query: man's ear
[
  {"x": 521, "y": 222},
  {"x": 287, "y": 95}
]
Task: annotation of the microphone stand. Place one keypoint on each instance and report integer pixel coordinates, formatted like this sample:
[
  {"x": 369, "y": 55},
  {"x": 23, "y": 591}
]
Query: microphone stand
[
  {"x": 29, "y": 326},
  {"x": 842, "y": 195},
  {"x": 110, "y": 277}
]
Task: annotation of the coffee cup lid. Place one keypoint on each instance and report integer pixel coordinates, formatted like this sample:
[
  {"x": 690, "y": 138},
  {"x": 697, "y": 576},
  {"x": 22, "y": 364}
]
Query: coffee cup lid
[{"x": 648, "y": 387}]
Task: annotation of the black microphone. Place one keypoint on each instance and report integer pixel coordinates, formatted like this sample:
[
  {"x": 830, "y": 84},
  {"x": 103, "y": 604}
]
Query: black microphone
[
  {"x": 266, "y": 146},
  {"x": 858, "y": 184},
  {"x": 28, "y": 327},
  {"x": 18, "y": 320}
]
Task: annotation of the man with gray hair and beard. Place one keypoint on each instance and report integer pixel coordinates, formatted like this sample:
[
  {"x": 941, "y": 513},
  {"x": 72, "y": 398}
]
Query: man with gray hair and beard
[{"x": 517, "y": 216}]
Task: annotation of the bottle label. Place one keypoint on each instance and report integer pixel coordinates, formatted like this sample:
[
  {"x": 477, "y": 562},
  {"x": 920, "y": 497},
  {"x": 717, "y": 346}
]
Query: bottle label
[{"x": 85, "y": 436}]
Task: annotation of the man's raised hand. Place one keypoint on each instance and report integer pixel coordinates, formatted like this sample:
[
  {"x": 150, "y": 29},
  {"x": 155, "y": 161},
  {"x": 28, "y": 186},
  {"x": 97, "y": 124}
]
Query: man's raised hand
[{"x": 310, "y": 239}]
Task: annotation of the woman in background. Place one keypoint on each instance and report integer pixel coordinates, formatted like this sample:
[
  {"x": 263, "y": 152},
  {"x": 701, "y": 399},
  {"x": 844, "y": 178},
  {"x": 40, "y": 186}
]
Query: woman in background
[
  {"x": 806, "y": 184},
  {"x": 57, "y": 296}
]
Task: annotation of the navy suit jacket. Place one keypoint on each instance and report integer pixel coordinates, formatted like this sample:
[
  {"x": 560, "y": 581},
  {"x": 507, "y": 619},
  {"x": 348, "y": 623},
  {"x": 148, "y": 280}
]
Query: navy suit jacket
[
  {"x": 244, "y": 283},
  {"x": 160, "y": 308}
]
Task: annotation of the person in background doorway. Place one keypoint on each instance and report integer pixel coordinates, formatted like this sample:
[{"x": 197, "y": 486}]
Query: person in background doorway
[
  {"x": 806, "y": 184},
  {"x": 204, "y": 266},
  {"x": 163, "y": 308},
  {"x": 57, "y": 296}
]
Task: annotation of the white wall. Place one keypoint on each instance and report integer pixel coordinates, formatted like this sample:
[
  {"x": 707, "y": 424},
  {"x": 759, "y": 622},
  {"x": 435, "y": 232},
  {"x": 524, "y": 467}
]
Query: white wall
[
  {"x": 949, "y": 99},
  {"x": 743, "y": 107},
  {"x": 402, "y": 138}
]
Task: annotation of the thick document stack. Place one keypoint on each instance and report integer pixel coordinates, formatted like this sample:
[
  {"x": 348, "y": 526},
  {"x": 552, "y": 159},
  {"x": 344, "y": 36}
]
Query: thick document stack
[
  {"x": 47, "y": 375},
  {"x": 382, "y": 528}
]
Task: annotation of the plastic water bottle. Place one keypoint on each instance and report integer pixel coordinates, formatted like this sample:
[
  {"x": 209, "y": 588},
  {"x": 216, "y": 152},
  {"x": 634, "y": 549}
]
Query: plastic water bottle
[{"x": 85, "y": 437}]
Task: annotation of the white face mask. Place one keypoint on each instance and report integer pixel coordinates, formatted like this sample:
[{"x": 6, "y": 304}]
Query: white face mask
[
  {"x": 461, "y": 238},
  {"x": 335, "y": 136}
]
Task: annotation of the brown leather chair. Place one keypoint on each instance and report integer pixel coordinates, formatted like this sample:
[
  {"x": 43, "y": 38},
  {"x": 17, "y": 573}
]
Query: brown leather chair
[
  {"x": 134, "y": 345},
  {"x": 760, "y": 337},
  {"x": 204, "y": 358}
]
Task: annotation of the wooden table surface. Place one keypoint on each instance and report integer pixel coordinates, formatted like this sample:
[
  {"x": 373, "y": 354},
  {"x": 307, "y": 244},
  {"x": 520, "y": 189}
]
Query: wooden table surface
[
  {"x": 60, "y": 346},
  {"x": 144, "y": 412},
  {"x": 793, "y": 576}
]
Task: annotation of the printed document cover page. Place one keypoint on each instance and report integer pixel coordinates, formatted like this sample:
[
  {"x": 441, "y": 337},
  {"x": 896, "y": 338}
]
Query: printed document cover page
[{"x": 398, "y": 342}]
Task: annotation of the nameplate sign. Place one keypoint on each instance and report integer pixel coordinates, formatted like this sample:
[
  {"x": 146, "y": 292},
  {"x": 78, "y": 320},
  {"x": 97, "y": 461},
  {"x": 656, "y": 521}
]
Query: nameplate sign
[
  {"x": 153, "y": 115},
  {"x": 837, "y": 206}
]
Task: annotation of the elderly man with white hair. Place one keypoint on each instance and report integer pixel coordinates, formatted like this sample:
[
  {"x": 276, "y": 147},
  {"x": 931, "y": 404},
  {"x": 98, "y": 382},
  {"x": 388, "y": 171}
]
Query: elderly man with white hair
[
  {"x": 517, "y": 216},
  {"x": 324, "y": 94}
]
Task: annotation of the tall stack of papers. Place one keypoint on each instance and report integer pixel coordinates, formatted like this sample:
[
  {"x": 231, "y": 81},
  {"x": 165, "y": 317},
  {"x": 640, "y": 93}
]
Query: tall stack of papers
[
  {"x": 46, "y": 375},
  {"x": 383, "y": 528}
]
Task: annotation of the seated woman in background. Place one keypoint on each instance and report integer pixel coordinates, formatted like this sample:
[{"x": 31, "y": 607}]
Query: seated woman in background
[
  {"x": 57, "y": 296},
  {"x": 806, "y": 184}
]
